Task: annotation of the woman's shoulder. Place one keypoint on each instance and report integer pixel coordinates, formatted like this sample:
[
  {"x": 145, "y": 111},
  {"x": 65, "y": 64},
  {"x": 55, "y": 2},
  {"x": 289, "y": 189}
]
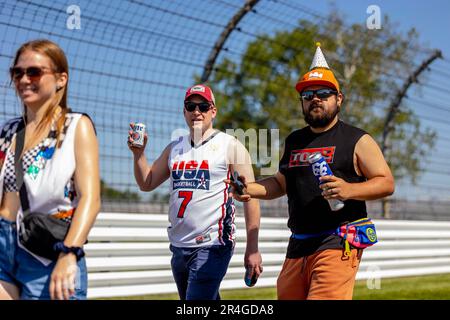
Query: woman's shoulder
[
  {"x": 10, "y": 126},
  {"x": 82, "y": 119},
  {"x": 76, "y": 115}
]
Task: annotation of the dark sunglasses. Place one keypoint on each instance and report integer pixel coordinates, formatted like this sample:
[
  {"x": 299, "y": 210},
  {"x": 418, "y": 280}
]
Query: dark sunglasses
[
  {"x": 308, "y": 95},
  {"x": 33, "y": 73},
  {"x": 202, "y": 106}
]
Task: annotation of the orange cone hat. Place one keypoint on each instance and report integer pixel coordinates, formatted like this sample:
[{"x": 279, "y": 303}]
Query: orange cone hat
[{"x": 319, "y": 73}]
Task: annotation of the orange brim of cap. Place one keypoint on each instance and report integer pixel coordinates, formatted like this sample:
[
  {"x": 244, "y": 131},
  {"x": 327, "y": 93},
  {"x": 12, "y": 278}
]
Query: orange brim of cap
[{"x": 317, "y": 77}]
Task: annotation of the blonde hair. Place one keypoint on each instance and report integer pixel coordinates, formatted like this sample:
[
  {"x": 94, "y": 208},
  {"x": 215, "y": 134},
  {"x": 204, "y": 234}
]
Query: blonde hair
[{"x": 60, "y": 65}]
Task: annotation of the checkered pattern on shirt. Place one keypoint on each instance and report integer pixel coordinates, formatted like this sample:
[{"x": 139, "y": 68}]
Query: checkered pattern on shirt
[
  {"x": 7, "y": 133},
  {"x": 10, "y": 171}
]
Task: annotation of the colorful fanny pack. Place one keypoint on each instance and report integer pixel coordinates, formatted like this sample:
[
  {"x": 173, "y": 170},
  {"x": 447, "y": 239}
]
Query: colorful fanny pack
[{"x": 360, "y": 234}]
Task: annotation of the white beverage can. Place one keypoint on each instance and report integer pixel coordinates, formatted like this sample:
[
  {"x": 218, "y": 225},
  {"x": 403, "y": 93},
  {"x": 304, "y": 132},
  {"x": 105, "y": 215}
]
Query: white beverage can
[{"x": 138, "y": 134}]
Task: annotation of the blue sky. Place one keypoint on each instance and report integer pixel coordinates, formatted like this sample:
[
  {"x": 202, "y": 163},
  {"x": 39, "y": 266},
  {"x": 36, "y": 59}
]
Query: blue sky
[{"x": 430, "y": 18}]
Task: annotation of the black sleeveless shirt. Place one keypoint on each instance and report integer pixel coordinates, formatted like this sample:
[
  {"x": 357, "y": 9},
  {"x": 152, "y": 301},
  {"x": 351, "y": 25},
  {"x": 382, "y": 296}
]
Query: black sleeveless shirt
[{"x": 309, "y": 212}]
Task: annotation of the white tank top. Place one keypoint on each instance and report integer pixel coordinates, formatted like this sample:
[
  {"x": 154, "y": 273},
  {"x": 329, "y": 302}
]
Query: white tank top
[
  {"x": 47, "y": 188},
  {"x": 200, "y": 211}
]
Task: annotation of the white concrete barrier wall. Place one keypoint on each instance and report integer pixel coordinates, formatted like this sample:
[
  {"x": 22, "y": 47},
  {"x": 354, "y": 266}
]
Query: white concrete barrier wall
[{"x": 128, "y": 254}]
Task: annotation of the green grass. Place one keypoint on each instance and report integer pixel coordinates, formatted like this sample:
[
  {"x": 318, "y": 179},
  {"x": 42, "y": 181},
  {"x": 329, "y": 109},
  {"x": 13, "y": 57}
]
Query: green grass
[{"x": 435, "y": 287}]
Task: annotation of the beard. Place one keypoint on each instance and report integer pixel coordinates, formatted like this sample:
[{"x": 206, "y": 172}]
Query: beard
[{"x": 322, "y": 120}]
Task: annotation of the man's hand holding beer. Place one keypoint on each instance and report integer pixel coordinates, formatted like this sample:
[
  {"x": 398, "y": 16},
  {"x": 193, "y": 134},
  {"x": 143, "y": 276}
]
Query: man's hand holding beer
[{"x": 131, "y": 141}]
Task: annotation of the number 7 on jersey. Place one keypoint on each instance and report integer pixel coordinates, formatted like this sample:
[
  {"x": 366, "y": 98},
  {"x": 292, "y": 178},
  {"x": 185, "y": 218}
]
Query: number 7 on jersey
[{"x": 187, "y": 197}]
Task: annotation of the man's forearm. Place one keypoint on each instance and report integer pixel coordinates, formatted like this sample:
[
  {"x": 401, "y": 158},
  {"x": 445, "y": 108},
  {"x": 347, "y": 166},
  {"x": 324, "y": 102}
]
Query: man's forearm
[
  {"x": 266, "y": 189},
  {"x": 252, "y": 215},
  {"x": 375, "y": 188},
  {"x": 141, "y": 171}
]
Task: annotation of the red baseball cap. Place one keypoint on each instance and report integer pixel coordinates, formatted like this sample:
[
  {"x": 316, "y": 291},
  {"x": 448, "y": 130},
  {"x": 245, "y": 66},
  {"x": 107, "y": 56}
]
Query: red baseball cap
[{"x": 201, "y": 90}]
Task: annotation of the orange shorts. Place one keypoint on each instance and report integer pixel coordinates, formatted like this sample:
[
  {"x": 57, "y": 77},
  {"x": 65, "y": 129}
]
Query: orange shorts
[{"x": 324, "y": 275}]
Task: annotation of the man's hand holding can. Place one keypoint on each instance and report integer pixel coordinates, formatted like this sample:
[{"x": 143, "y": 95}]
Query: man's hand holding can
[{"x": 137, "y": 138}]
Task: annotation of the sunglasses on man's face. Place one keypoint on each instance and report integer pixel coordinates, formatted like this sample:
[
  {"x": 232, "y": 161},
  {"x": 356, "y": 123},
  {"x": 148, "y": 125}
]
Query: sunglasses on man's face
[
  {"x": 33, "y": 73},
  {"x": 308, "y": 95},
  {"x": 202, "y": 106}
]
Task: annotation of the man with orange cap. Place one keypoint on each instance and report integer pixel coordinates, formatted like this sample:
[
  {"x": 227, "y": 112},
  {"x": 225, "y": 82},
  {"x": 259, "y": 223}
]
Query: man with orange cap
[{"x": 319, "y": 264}]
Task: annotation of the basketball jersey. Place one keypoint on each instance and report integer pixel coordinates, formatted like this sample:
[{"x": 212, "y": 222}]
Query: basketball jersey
[{"x": 200, "y": 211}]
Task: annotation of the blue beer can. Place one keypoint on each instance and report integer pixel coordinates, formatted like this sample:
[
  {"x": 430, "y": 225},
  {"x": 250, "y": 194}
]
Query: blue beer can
[{"x": 321, "y": 168}]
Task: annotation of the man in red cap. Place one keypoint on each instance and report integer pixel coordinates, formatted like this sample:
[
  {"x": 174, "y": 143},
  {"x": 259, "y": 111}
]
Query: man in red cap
[
  {"x": 319, "y": 263},
  {"x": 201, "y": 212}
]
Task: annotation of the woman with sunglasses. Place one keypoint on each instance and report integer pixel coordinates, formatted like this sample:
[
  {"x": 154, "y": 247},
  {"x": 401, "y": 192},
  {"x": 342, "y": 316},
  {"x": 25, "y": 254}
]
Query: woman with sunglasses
[
  {"x": 201, "y": 213},
  {"x": 59, "y": 160}
]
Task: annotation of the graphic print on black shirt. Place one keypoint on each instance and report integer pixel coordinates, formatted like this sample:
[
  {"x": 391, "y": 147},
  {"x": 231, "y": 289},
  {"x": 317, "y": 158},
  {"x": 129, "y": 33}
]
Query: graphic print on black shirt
[{"x": 309, "y": 212}]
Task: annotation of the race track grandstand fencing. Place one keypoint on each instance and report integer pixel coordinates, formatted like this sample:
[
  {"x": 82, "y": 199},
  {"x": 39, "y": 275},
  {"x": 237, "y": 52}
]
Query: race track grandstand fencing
[{"x": 131, "y": 61}]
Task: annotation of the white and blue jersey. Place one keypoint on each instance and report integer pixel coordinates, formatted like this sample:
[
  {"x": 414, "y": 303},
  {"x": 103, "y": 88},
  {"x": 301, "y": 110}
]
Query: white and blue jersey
[{"x": 200, "y": 211}]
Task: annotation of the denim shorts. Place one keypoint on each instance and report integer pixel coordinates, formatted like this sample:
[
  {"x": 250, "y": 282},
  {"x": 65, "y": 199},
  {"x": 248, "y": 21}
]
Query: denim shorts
[
  {"x": 8, "y": 248},
  {"x": 198, "y": 272},
  {"x": 23, "y": 270}
]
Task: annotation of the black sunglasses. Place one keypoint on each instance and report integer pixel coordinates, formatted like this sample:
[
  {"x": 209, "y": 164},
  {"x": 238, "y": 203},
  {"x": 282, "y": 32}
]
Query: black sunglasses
[
  {"x": 308, "y": 95},
  {"x": 202, "y": 106},
  {"x": 33, "y": 73}
]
